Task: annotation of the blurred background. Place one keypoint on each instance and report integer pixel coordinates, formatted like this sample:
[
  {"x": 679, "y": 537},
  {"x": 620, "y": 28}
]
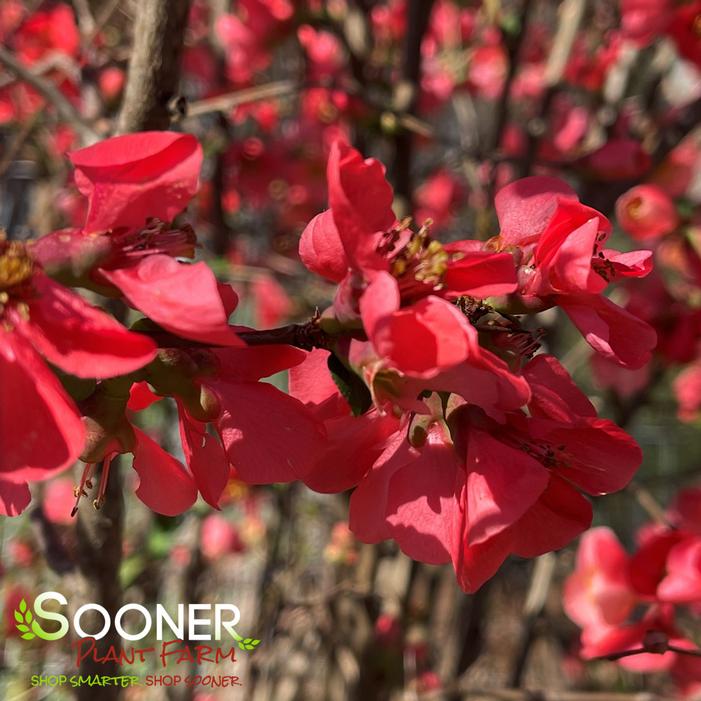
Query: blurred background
[{"x": 457, "y": 98}]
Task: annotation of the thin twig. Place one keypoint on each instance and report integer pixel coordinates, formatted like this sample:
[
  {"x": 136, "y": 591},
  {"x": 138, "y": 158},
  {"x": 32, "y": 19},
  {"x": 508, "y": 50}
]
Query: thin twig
[
  {"x": 513, "y": 44},
  {"x": 406, "y": 98},
  {"x": 541, "y": 579},
  {"x": 51, "y": 94},
  {"x": 571, "y": 16}
]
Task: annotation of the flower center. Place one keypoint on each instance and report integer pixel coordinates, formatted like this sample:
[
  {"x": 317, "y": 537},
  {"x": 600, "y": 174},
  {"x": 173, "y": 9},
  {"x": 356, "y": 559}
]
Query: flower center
[
  {"x": 16, "y": 265},
  {"x": 422, "y": 260},
  {"x": 156, "y": 237}
]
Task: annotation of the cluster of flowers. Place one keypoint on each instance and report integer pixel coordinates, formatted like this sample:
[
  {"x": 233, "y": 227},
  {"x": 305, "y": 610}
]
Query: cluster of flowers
[
  {"x": 422, "y": 389},
  {"x": 278, "y": 163},
  {"x": 660, "y": 214},
  {"x": 631, "y": 607}
]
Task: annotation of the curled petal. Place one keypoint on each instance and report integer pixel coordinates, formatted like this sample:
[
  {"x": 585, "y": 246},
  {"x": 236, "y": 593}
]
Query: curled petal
[
  {"x": 40, "y": 428},
  {"x": 132, "y": 177},
  {"x": 81, "y": 339},
  {"x": 164, "y": 484},
  {"x": 321, "y": 250},
  {"x": 183, "y": 299}
]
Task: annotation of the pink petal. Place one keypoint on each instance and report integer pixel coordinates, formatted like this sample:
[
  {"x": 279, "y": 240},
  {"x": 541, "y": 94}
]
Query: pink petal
[
  {"x": 312, "y": 384},
  {"x": 480, "y": 274},
  {"x": 130, "y": 178},
  {"x": 81, "y": 339},
  {"x": 525, "y": 207},
  {"x": 352, "y": 446},
  {"x": 14, "y": 498},
  {"x": 321, "y": 250},
  {"x": 183, "y": 299},
  {"x": 164, "y": 484},
  {"x": 558, "y": 517},
  {"x": 268, "y": 435},
  {"x": 40, "y": 430},
  {"x": 360, "y": 199},
  {"x": 553, "y": 392},
  {"x": 611, "y": 330},
  {"x": 502, "y": 484},
  {"x": 205, "y": 457},
  {"x": 250, "y": 363},
  {"x": 423, "y": 339}
]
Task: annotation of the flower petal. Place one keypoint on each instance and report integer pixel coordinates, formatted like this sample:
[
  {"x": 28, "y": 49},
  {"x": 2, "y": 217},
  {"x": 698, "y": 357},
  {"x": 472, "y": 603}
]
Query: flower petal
[
  {"x": 184, "y": 299},
  {"x": 268, "y": 435},
  {"x": 81, "y": 339},
  {"x": 40, "y": 428},
  {"x": 132, "y": 177},
  {"x": 164, "y": 484}
]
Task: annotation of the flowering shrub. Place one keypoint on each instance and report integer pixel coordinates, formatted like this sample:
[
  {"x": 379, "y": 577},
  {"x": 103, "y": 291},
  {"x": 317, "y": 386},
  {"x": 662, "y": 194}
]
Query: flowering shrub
[
  {"x": 661, "y": 578},
  {"x": 469, "y": 445},
  {"x": 425, "y": 272}
]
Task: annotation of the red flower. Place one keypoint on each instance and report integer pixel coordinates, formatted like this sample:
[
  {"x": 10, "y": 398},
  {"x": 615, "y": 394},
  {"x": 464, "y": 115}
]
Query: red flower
[
  {"x": 646, "y": 212},
  {"x": 562, "y": 261},
  {"x": 685, "y": 32},
  {"x": 397, "y": 283},
  {"x": 248, "y": 409},
  {"x": 644, "y": 20},
  {"x": 682, "y": 582},
  {"x": 598, "y": 591},
  {"x": 52, "y": 30},
  {"x": 41, "y": 432},
  {"x": 484, "y": 489},
  {"x": 226, "y": 392},
  {"x": 132, "y": 182},
  {"x": 352, "y": 443}
]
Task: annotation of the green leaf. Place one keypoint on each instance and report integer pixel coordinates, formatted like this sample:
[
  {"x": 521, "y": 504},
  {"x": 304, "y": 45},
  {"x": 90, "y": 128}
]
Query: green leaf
[
  {"x": 255, "y": 642},
  {"x": 22, "y": 605},
  {"x": 28, "y": 636},
  {"x": 350, "y": 386},
  {"x": 22, "y": 628},
  {"x": 247, "y": 640},
  {"x": 19, "y": 617}
]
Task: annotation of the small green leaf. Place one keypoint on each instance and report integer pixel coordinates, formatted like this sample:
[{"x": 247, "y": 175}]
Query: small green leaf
[
  {"x": 18, "y": 617},
  {"x": 255, "y": 642},
  {"x": 28, "y": 636},
  {"x": 247, "y": 640},
  {"x": 29, "y": 617},
  {"x": 350, "y": 386},
  {"x": 22, "y": 605},
  {"x": 22, "y": 628}
]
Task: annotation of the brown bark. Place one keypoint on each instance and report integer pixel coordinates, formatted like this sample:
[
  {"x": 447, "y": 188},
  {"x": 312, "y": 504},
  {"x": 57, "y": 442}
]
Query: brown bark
[{"x": 154, "y": 68}]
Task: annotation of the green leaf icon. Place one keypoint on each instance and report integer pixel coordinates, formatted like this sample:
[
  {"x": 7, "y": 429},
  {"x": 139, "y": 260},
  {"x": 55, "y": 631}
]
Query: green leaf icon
[{"x": 23, "y": 620}]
